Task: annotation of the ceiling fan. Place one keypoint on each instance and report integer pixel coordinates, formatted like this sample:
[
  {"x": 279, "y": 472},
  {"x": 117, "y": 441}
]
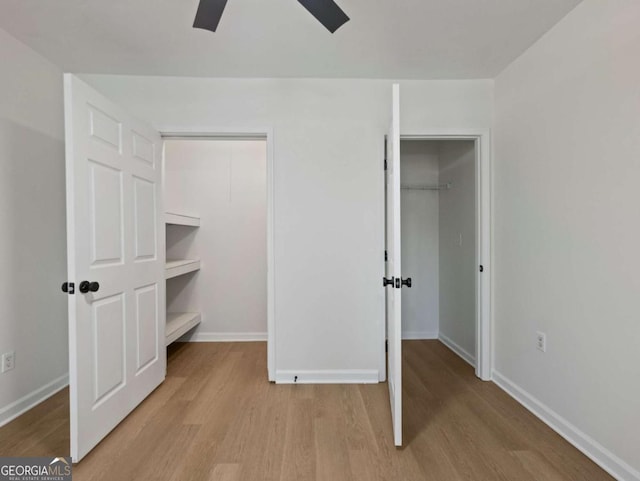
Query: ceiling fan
[{"x": 325, "y": 11}]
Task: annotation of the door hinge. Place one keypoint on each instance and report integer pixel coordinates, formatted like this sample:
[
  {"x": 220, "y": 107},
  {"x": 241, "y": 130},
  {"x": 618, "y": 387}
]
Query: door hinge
[
  {"x": 385, "y": 164},
  {"x": 386, "y": 345},
  {"x": 481, "y": 268},
  {"x": 386, "y": 256},
  {"x": 69, "y": 288}
]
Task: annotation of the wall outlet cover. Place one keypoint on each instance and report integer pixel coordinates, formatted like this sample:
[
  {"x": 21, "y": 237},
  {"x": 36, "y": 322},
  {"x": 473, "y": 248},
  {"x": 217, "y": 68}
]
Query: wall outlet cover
[{"x": 8, "y": 361}]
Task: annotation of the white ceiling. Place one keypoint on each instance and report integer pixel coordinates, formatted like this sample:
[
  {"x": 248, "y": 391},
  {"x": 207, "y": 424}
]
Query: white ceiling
[{"x": 411, "y": 39}]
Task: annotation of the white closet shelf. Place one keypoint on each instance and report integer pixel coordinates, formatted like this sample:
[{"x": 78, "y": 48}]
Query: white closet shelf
[
  {"x": 180, "y": 219},
  {"x": 179, "y": 323},
  {"x": 176, "y": 268}
]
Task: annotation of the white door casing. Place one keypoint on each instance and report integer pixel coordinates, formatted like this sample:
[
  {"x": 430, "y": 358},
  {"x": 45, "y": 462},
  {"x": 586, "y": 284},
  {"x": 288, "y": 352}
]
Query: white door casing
[
  {"x": 394, "y": 296},
  {"x": 115, "y": 236}
]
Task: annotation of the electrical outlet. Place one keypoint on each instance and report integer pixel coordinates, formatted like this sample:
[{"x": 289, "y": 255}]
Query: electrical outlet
[
  {"x": 8, "y": 361},
  {"x": 541, "y": 341}
]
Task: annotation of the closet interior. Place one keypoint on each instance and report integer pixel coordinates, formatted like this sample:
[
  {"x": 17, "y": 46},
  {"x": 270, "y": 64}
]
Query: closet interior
[
  {"x": 438, "y": 219},
  {"x": 215, "y": 195}
]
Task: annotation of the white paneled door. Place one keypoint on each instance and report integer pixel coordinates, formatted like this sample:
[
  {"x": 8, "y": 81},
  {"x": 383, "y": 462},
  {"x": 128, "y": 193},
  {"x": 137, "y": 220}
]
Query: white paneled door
[
  {"x": 394, "y": 284},
  {"x": 116, "y": 260}
]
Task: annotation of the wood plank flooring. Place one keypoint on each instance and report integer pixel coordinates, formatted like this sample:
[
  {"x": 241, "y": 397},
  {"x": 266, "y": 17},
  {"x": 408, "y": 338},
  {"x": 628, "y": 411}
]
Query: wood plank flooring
[{"x": 217, "y": 418}]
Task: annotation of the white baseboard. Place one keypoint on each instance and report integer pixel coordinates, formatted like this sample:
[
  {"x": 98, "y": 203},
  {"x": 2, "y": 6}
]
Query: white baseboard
[
  {"x": 463, "y": 353},
  {"x": 338, "y": 376},
  {"x": 600, "y": 455},
  {"x": 419, "y": 335},
  {"x": 22, "y": 405},
  {"x": 224, "y": 337}
]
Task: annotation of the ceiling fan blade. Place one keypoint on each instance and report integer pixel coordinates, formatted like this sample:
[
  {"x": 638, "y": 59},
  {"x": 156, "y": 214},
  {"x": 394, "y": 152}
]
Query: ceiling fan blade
[
  {"x": 327, "y": 12},
  {"x": 209, "y": 14}
]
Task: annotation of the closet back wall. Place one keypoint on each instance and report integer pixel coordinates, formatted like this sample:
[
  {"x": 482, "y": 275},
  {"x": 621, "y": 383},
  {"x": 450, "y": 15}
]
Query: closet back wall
[
  {"x": 419, "y": 212},
  {"x": 224, "y": 183}
]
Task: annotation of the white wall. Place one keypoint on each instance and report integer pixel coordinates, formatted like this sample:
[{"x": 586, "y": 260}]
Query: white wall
[
  {"x": 33, "y": 310},
  {"x": 224, "y": 183},
  {"x": 419, "y": 225},
  {"x": 457, "y": 233},
  {"x": 567, "y": 231},
  {"x": 328, "y": 174}
]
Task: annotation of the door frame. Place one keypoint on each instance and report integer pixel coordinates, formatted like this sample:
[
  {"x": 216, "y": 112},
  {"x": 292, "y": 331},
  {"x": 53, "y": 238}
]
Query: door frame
[
  {"x": 484, "y": 246},
  {"x": 248, "y": 134}
]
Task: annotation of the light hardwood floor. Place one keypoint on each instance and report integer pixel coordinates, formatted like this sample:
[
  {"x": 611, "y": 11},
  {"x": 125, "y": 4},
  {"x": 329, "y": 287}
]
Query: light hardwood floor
[{"x": 217, "y": 418}]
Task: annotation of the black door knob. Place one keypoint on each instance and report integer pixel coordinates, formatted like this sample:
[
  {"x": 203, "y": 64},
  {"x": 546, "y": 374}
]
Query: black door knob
[
  {"x": 68, "y": 287},
  {"x": 86, "y": 286},
  {"x": 387, "y": 282},
  {"x": 407, "y": 282}
]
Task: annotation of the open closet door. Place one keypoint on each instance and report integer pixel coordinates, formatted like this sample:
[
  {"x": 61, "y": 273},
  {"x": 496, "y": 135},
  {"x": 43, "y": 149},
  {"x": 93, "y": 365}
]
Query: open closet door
[
  {"x": 116, "y": 261},
  {"x": 394, "y": 303}
]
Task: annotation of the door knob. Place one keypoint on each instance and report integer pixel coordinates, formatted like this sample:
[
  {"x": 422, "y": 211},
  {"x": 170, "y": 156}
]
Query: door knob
[
  {"x": 387, "y": 282},
  {"x": 407, "y": 282},
  {"x": 86, "y": 286},
  {"x": 69, "y": 288}
]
